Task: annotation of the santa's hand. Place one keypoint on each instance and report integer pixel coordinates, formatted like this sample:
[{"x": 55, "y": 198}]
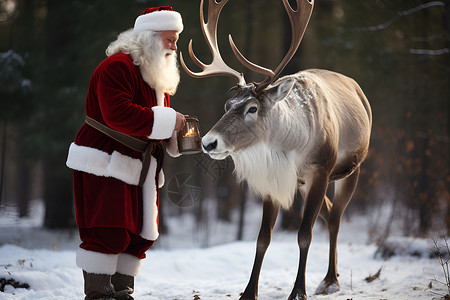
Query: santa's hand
[{"x": 180, "y": 121}]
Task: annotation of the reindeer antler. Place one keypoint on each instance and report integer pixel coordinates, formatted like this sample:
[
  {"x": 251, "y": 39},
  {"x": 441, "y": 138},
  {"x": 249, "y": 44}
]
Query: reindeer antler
[
  {"x": 217, "y": 66},
  {"x": 299, "y": 21}
]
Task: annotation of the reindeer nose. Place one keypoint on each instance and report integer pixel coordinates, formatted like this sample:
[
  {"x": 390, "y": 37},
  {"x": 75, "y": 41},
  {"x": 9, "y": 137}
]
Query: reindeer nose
[{"x": 210, "y": 147}]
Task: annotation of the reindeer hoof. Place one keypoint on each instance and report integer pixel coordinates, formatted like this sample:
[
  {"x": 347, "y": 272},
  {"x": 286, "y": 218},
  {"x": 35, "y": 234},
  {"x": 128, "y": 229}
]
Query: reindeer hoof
[
  {"x": 297, "y": 295},
  {"x": 327, "y": 287}
]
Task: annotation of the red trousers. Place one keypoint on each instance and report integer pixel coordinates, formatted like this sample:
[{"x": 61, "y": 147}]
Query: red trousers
[{"x": 113, "y": 241}]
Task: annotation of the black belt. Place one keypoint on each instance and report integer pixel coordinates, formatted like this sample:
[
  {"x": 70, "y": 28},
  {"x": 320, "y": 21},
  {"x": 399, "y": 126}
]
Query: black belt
[{"x": 148, "y": 149}]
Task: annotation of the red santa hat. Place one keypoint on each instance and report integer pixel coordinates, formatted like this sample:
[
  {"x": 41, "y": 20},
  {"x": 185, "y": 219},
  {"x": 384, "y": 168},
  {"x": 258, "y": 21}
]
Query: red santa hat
[{"x": 160, "y": 18}]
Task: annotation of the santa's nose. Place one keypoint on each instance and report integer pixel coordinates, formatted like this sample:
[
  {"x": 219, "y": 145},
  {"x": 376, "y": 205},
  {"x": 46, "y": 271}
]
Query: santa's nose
[{"x": 173, "y": 46}]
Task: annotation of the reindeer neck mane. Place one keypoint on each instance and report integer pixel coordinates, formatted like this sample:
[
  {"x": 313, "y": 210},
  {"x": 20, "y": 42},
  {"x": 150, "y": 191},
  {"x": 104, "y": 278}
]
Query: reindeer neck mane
[{"x": 268, "y": 172}]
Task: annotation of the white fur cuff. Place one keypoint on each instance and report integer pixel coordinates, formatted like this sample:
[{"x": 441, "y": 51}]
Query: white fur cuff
[
  {"x": 164, "y": 119},
  {"x": 128, "y": 264},
  {"x": 96, "y": 262}
]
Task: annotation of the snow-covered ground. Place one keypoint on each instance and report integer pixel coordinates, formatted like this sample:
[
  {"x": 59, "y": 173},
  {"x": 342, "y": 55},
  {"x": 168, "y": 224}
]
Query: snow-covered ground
[{"x": 179, "y": 269}]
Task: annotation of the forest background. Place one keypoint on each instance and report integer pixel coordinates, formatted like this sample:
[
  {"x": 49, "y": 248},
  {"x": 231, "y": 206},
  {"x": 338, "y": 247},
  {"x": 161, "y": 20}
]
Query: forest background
[{"x": 398, "y": 51}]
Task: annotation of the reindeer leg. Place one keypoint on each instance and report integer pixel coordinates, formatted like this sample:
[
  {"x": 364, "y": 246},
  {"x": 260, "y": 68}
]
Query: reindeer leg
[
  {"x": 270, "y": 213},
  {"x": 314, "y": 200},
  {"x": 343, "y": 194},
  {"x": 326, "y": 210}
]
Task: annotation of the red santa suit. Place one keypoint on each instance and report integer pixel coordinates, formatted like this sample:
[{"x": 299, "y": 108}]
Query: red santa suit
[
  {"x": 106, "y": 173},
  {"x": 115, "y": 183}
]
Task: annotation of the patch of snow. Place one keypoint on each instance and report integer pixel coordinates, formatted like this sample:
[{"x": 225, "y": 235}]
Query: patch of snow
[{"x": 180, "y": 269}]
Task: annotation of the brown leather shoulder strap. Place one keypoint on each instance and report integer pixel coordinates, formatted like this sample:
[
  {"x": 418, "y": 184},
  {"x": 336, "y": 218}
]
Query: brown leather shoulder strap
[{"x": 129, "y": 141}]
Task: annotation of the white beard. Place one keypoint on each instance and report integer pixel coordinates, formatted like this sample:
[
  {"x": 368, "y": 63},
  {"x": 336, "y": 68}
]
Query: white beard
[{"x": 160, "y": 69}]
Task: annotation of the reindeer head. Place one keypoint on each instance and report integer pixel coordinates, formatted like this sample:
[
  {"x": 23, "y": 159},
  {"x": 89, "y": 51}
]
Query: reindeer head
[
  {"x": 243, "y": 123},
  {"x": 240, "y": 126},
  {"x": 246, "y": 120}
]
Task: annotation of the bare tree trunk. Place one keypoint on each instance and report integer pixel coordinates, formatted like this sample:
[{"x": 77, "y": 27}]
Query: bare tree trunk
[
  {"x": 425, "y": 205},
  {"x": 58, "y": 196},
  {"x": 23, "y": 185},
  {"x": 447, "y": 28},
  {"x": 243, "y": 196},
  {"x": 58, "y": 191},
  {"x": 3, "y": 151}
]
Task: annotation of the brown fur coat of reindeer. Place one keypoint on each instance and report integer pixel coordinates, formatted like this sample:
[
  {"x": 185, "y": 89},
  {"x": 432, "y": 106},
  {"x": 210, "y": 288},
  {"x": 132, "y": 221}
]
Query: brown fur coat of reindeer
[{"x": 299, "y": 132}]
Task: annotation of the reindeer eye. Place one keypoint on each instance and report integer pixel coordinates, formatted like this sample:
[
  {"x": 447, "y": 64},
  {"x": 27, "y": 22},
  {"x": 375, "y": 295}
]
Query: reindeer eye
[{"x": 252, "y": 109}]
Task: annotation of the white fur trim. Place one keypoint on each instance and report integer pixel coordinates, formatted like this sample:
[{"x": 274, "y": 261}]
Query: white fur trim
[
  {"x": 164, "y": 119},
  {"x": 100, "y": 163},
  {"x": 128, "y": 264},
  {"x": 172, "y": 146},
  {"x": 161, "y": 179},
  {"x": 159, "y": 21},
  {"x": 126, "y": 169},
  {"x": 96, "y": 262},
  {"x": 150, "y": 209}
]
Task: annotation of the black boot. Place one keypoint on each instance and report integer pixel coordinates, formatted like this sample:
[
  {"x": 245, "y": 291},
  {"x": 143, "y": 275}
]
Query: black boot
[
  {"x": 98, "y": 286},
  {"x": 124, "y": 286}
]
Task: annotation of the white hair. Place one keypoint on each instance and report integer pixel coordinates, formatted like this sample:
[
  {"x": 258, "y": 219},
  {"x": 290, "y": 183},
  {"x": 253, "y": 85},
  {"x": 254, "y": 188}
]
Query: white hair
[
  {"x": 268, "y": 172},
  {"x": 147, "y": 51}
]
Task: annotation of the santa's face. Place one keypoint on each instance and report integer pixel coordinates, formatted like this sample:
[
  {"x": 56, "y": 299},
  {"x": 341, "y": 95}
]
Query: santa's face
[
  {"x": 160, "y": 69},
  {"x": 169, "y": 39}
]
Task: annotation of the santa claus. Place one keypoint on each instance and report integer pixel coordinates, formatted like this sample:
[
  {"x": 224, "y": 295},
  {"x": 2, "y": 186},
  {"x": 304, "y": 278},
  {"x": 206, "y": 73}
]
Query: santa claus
[{"x": 117, "y": 155}]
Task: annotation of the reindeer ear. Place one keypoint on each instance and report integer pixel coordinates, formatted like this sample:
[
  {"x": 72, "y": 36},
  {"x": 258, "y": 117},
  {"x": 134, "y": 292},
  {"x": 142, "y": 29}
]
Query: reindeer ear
[{"x": 280, "y": 90}]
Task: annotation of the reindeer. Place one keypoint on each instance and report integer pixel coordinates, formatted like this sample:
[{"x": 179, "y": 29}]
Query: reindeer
[{"x": 301, "y": 131}]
